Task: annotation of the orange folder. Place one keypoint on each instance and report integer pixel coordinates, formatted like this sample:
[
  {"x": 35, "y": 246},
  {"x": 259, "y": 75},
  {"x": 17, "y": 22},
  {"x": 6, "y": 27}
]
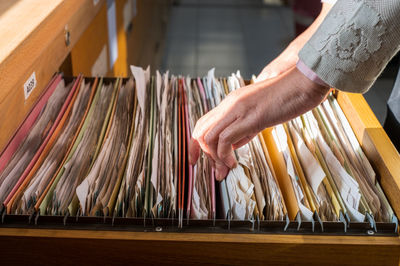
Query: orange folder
[{"x": 282, "y": 176}]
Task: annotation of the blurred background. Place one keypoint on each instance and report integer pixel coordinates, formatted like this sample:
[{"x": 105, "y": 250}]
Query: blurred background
[{"x": 229, "y": 35}]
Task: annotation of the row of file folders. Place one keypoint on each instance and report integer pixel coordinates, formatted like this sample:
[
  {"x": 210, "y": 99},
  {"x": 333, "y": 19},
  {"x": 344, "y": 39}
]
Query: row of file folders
[{"x": 119, "y": 148}]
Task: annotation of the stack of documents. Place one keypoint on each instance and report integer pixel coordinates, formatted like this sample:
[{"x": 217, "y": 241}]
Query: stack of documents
[{"x": 119, "y": 148}]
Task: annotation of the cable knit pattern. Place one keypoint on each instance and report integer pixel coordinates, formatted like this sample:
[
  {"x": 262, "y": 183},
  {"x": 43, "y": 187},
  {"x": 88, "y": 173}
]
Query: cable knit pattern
[{"x": 354, "y": 43}]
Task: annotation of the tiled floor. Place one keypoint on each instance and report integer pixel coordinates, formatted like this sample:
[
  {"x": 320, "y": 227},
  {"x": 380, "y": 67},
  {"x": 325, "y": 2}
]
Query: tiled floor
[
  {"x": 237, "y": 34},
  {"x": 227, "y": 35}
]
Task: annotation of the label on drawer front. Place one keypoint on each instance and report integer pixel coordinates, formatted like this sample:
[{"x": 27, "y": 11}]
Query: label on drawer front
[
  {"x": 29, "y": 85},
  {"x": 95, "y": 2}
]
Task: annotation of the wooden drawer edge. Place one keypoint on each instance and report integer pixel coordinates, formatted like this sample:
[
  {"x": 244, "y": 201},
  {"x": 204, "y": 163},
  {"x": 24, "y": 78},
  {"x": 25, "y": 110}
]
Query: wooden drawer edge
[
  {"x": 203, "y": 237},
  {"x": 376, "y": 144}
]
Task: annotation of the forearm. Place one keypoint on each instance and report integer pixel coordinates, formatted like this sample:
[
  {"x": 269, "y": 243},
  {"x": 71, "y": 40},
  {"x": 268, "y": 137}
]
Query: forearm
[{"x": 288, "y": 96}]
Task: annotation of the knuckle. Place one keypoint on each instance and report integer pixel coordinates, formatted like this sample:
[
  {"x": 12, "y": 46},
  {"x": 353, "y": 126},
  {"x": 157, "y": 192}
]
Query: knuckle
[
  {"x": 208, "y": 139},
  {"x": 224, "y": 137},
  {"x": 200, "y": 139},
  {"x": 195, "y": 133}
]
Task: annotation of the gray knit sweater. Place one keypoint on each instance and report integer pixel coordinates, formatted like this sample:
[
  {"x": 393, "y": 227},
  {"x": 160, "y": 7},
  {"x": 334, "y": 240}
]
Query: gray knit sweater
[{"x": 354, "y": 43}]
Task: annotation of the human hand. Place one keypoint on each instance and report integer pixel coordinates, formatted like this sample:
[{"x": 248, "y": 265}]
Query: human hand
[{"x": 247, "y": 111}]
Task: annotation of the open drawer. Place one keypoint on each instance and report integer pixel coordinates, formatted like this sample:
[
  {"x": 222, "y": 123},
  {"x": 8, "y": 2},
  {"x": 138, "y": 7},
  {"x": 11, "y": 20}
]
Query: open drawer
[{"x": 82, "y": 239}]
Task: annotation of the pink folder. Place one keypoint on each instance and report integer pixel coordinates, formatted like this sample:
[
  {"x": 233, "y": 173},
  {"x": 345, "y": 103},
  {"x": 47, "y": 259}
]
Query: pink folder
[
  {"x": 43, "y": 145},
  {"x": 26, "y": 126},
  {"x": 188, "y": 135}
]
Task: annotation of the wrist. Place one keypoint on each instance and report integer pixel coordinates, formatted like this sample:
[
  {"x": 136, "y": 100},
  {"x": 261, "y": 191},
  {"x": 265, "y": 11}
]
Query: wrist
[
  {"x": 309, "y": 73},
  {"x": 285, "y": 97},
  {"x": 315, "y": 90}
]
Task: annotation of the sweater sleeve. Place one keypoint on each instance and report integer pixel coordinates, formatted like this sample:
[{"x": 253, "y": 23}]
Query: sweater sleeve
[{"x": 354, "y": 43}]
